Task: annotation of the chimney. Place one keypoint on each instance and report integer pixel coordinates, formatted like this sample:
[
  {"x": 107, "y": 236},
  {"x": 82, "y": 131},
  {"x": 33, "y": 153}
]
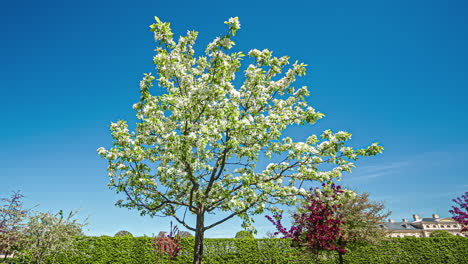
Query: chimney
[
  {"x": 391, "y": 220},
  {"x": 436, "y": 216},
  {"x": 405, "y": 220},
  {"x": 416, "y": 217}
]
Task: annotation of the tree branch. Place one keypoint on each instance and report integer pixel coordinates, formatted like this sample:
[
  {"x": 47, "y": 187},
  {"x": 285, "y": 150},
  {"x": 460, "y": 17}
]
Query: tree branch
[{"x": 229, "y": 217}]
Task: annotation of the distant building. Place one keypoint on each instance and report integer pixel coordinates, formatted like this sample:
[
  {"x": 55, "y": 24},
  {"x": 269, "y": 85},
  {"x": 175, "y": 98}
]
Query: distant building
[{"x": 422, "y": 227}]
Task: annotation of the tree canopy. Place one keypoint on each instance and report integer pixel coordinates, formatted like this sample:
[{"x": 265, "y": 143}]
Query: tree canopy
[
  {"x": 123, "y": 233},
  {"x": 363, "y": 217},
  {"x": 202, "y": 130}
]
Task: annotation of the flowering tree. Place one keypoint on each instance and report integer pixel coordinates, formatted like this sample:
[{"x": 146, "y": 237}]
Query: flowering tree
[
  {"x": 460, "y": 214},
  {"x": 318, "y": 225},
  {"x": 332, "y": 218},
  {"x": 12, "y": 217},
  {"x": 196, "y": 145},
  {"x": 50, "y": 235}
]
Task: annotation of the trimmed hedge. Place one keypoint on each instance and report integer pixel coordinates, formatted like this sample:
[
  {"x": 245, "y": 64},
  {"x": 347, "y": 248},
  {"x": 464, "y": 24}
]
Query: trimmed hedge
[
  {"x": 137, "y": 250},
  {"x": 107, "y": 250},
  {"x": 432, "y": 250},
  {"x": 128, "y": 250}
]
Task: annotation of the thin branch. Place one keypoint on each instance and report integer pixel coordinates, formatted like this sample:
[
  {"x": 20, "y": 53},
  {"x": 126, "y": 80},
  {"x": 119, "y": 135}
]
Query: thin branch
[
  {"x": 229, "y": 217},
  {"x": 183, "y": 223}
]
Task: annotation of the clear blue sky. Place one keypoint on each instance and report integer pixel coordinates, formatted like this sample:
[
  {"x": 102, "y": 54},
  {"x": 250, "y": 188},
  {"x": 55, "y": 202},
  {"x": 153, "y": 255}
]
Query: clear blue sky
[{"x": 389, "y": 71}]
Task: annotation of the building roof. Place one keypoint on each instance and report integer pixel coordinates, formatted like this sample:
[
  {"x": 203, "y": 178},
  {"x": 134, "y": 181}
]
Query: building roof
[
  {"x": 430, "y": 219},
  {"x": 398, "y": 226}
]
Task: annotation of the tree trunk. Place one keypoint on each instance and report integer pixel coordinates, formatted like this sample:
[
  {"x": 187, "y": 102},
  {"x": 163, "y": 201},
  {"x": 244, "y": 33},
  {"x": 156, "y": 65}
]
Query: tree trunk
[
  {"x": 199, "y": 233},
  {"x": 340, "y": 258}
]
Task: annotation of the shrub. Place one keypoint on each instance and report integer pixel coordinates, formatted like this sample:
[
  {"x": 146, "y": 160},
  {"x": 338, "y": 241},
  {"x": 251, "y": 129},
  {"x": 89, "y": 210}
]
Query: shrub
[
  {"x": 12, "y": 222},
  {"x": 48, "y": 236},
  {"x": 185, "y": 234},
  {"x": 167, "y": 245},
  {"x": 123, "y": 233},
  {"x": 245, "y": 235},
  {"x": 440, "y": 233}
]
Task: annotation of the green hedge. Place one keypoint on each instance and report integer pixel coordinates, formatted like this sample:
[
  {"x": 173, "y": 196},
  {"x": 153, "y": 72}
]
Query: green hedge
[
  {"x": 128, "y": 250},
  {"x": 432, "y": 250},
  {"x": 137, "y": 250},
  {"x": 107, "y": 250}
]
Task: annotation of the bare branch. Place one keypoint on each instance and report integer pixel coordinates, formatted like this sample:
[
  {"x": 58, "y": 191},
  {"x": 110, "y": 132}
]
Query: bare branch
[
  {"x": 182, "y": 222},
  {"x": 229, "y": 217}
]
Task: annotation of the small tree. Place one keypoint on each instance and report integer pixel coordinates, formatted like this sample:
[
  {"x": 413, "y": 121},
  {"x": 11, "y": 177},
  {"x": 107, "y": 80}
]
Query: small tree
[
  {"x": 198, "y": 139},
  {"x": 50, "y": 235},
  {"x": 318, "y": 225},
  {"x": 12, "y": 217},
  {"x": 362, "y": 218},
  {"x": 123, "y": 233},
  {"x": 460, "y": 212}
]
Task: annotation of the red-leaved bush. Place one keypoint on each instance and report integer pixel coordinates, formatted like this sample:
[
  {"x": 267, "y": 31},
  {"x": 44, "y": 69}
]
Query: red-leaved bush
[
  {"x": 319, "y": 227},
  {"x": 167, "y": 244},
  {"x": 460, "y": 214}
]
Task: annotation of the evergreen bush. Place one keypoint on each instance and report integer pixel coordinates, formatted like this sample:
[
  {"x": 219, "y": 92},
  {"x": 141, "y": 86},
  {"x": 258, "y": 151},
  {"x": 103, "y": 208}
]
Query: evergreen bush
[{"x": 138, "y": 250}]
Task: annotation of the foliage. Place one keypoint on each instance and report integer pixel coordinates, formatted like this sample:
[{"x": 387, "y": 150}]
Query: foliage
[
  {"x": 50, "y": 235},
  {"x": 332, "y": 221},
  {"x": 441, "y": 233},
  {"x": 185, "y": 234},
  {"x": 318, "y": 225},
  {"x": 105, "y": 250},
  {"x": 123, "y": 233},
  {"x": 411, "y": 250},
  {"x": 198, "y": 139},
  {"x": 362, "y": 217},
  {"x": 460, "y": 212},
  {"x": 12, "y": 217},
  {"x": 245, "y": 234},
  {"x": 137, "y": 250},
  {"x": 168, "y": 245},
  {"x": 35, "y": 237}
]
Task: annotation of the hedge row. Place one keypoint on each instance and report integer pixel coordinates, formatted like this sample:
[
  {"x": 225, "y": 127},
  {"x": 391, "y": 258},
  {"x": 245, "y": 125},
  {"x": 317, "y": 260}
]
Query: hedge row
[
  {"x": 129, "y": 250},
  {"x": 413, "y": 250},
  {"x": 137, "y": 250}
]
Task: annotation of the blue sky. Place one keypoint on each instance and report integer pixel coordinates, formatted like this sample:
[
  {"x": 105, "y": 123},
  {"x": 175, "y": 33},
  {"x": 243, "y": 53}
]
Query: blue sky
[{"x": 388, "y": 71}]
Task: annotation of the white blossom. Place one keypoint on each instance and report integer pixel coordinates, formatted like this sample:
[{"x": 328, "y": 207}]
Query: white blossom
[
  {"x": 200, "y": 133},
  {"x": 101, "y": 151}
]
